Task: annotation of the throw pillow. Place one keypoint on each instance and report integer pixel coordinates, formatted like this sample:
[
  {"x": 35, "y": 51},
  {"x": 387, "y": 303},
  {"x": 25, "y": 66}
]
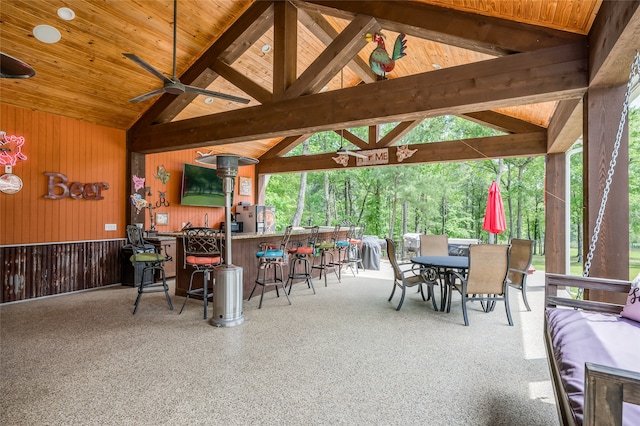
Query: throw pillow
[{"x": 632, "y": 308}]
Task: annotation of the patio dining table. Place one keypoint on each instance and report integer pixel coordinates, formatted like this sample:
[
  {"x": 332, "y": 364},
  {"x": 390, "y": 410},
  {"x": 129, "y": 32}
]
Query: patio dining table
[{"x": 440, "y": 265}]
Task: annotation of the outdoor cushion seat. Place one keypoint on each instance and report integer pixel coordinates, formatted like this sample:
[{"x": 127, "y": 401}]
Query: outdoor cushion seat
[
  {"x": 196, "y": 260},
  {"x": 581, "y": 336},
  {"x": 146, "y": 257}
]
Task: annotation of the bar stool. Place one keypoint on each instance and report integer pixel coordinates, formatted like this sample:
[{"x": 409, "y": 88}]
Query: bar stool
[
  {"x": 354, "y": 252},
  {"x": 327, "y": 260},
  {"x": 342, "y": 247},
  {"x": 272, "y": 258},
  {"x": 203, "y": 252},
  {"x": 300, "y": 256},
  {"x": 151, "y": 261}
]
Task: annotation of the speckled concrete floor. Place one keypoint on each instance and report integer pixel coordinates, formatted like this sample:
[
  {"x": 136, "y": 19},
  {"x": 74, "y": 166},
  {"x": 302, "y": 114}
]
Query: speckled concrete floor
[{"x": 344, "y": 356}]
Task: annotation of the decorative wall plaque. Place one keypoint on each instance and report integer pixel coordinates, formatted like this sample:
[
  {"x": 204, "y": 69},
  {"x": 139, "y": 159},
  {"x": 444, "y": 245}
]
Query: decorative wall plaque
[{"x": 244, "y": 186}]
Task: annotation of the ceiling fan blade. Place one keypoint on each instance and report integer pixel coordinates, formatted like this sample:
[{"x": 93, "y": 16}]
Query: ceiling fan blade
[
  {"x": 352, "y": 153},
  {"x": 147, "y": 95},
  {"x": 356, "y": 154},
  {"x": 206, "y": 92},
  {"x": 135, "y": 58}
]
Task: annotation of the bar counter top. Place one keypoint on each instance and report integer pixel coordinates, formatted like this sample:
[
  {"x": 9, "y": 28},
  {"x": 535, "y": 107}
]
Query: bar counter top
[
  {"x": 258, "y": 235},
  {"x": 243, "y": 253}
]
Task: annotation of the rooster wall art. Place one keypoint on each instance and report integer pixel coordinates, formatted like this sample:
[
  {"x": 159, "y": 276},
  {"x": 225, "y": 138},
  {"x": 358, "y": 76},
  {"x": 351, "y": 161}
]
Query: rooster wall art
[{"x": 380, "y": 62}]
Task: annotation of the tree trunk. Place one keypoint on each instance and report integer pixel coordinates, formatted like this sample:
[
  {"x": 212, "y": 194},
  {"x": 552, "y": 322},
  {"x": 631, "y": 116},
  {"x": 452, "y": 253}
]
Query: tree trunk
[
  {"x": 579, "y": 239},
  {"x": 394, "y": 204},
  {"x": 327, "y": 212},
  {"x": 302, "y": 190}
]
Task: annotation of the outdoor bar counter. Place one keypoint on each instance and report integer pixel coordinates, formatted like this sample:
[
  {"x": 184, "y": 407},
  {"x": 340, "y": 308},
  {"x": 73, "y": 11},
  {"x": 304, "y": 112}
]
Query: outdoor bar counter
[{"x": 243, "y": 253}]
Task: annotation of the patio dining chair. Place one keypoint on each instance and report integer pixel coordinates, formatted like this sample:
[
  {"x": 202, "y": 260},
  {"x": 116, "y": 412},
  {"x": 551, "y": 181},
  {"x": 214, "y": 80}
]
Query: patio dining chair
[
  {"x": 404, "y": 278},
  {"x": 435, "y": 245},
  {"x": 519, "y": 261},
  {"x": 486, "y": 279}
]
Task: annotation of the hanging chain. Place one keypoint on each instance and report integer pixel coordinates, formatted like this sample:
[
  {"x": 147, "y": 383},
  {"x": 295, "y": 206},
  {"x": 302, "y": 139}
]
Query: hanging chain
[{"x": 635, "y": 69}]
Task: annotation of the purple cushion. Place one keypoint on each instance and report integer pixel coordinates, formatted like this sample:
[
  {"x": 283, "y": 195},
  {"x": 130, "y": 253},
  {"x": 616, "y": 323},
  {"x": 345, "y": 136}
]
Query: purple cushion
[{"x": 581, "y": 336}]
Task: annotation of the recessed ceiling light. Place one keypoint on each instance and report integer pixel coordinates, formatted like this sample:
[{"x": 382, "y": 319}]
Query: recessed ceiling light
[
  {"x": 66, "y": 13},
  {"x": 436, "y": 66},
  {"x": 266, "y": 48},
  {"x": 46, "y": 34},
  {"x": 208, "y": 100}
]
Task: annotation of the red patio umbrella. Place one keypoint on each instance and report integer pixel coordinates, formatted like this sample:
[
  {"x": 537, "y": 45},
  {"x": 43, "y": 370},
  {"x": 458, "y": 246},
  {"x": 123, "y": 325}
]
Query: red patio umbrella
[{"x": 494, "y": 220}]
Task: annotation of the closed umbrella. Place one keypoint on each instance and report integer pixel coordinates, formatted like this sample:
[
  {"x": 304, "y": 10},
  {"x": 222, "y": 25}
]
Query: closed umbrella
[{"x": 494, "y": 220}]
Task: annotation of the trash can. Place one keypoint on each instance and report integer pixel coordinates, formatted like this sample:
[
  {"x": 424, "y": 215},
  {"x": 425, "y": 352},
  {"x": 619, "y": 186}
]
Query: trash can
[{"x": 130, "y": 275}]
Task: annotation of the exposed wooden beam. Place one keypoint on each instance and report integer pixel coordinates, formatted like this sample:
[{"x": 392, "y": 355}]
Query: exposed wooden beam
[
  {"x": 565, "y": 126},
  {"x": 323, "y": 30},
  {"x": 397, "y": 133},
  {"x": 501, "y": 122},
  {"x": 373, "y": 135},
  {"x": 470, "y": 31},
  {"x": 249, "y": 26},
  {"x": 525, "y": 144},
  {"x": 245, "y": 84},
  {"x": 353, "y": 139},
  {"x": 284, "y": 146},
  {"x": 340, "y": 52},
  {"x": 285, "y": 47},
  {"x": 552, "y": 74},
  {"x": 613, "y": 42}
]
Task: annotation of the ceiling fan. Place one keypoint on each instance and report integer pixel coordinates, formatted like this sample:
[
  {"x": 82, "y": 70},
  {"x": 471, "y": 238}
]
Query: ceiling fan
[
  {"x": 356, "y": 154},
  {"x": 173, "y": 85}
]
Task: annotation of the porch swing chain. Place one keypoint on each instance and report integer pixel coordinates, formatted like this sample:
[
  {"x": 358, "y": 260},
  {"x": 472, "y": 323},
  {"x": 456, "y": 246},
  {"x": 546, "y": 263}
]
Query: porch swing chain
[{"x": 635, "y": 69}]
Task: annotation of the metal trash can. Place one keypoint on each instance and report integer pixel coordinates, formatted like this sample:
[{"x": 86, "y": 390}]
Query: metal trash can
[
  {"x": 131, "y": 275},
  {"x": 227, "y": 296}
]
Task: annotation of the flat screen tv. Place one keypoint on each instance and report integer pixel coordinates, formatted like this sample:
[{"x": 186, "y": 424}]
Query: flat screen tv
[{"x": 201, "y": 186}]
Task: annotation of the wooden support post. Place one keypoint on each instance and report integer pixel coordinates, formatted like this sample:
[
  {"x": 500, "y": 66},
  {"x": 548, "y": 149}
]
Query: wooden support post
[
  {"x": 556, "y": 203},
  {"x": 603, "y": 107}
]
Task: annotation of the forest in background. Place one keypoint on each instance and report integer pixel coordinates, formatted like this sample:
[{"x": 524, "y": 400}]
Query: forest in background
[{"x": 437, "y": 198}]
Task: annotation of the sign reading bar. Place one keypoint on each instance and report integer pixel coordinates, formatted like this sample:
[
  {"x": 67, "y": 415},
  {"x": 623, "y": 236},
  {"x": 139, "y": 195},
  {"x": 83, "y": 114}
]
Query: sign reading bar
[{"x": 374, "y": 156}]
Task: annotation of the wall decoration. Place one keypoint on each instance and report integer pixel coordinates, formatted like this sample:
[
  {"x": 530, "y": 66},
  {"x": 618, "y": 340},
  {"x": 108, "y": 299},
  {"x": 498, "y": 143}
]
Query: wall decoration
[
  {"x": 380, "y": 62},
  {"x": 341, "y": 159},
  {"x": 162, "y": 218},
  {"x": 59, "y": 187},
  {"x": 138, "y": 202},
  {"x": 11, "y": 149},
  {"x": 10, "y": 183},
  {"x": 163, "y": 175},
  {"x": 374, "y": 157},
  {"x": 10, "y": 153},
  {"x": 138, "y": 183},
  {"x": 403, "y": 152},
  {"x": 244, "y": 186},
  {"x": 163, "y": 200}
]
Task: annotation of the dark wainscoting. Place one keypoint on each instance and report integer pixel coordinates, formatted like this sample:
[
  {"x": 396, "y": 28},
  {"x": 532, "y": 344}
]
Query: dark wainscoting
[{"x": 31, "y": 271}]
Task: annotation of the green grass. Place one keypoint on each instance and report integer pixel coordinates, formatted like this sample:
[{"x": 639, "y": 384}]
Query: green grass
[{"x": 577, "y": 268}]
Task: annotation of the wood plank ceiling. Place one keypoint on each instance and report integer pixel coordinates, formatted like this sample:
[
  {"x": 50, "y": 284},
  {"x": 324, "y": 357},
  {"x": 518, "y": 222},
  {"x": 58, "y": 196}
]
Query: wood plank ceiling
[{"x": 475, "y": 50}]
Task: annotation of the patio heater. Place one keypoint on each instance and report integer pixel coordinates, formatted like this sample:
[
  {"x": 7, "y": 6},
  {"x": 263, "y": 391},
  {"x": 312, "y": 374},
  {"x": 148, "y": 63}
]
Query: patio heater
[{"x": 227, "y": 292}]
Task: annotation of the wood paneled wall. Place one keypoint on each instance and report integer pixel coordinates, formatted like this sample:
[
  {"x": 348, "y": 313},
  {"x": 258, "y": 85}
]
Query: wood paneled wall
[
  {"x": 173, "y": 162},
  {"x": 33, "y": 271},
  {"x": 84, "y": 153},
  {"x": 52, "y": 246}
]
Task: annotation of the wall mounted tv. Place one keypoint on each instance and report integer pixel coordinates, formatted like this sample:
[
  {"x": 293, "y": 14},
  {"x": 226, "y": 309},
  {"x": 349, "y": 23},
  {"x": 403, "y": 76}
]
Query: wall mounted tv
[{"x": 201, "y": 186}]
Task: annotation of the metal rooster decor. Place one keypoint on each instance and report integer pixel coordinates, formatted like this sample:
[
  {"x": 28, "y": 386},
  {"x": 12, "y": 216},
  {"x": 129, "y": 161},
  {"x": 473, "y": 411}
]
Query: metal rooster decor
[{"x": 380, "y": 62}]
